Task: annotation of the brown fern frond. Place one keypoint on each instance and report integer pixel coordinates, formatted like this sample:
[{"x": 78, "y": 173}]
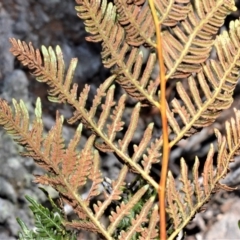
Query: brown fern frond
[
  {"x": 151, "y": 232},
  {"x": 95, "y": 176},
  {"x": 185, "y": 202},
  {"x": 117, "y": 189},
  {"x": 124, "y": 209},
  {"x": 153, "y": 155},
  {"x": 136, "y": 226},
  {"x": 216, "y": 80},
  {"x": 95, "y": 13},
  {"x": 82, "y": 166},
  {"x": 135, "y": 80},
  {"x": 88, "y": 226},
  {"x": 115, "y": 50},
  {"x": 70, "y": 152},
  {"x": 116, "y": 116},
  {"x": 51, "y": 153},
  {"x": 188, "y": 45},
  {"x": 128, "y": 136},
  {"x": 136, "y": 19},
  {"x": 142, "y": 146},
  {"x": 16, "y": 123},
  {"x": 62, "y": 91},
  {"x": 172, "y": 12},
  {"x": 136, "y": 2}
]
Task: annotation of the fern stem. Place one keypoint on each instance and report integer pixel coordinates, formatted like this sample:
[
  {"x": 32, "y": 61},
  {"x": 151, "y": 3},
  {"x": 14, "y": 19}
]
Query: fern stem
[{"x": 163, "y": 176}]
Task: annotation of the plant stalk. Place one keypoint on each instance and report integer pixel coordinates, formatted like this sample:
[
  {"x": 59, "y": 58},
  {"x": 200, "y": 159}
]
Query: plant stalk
[{"x": 165, "y": 157}]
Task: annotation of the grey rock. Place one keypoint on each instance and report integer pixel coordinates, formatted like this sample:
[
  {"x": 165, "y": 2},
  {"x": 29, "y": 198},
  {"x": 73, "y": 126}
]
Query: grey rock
[
  {"x": 4, "y": 235},
  {"x": 227, "y": 226},
  {"x": 16, "y": 85},
  {"x": 34, "y": 193},
  {"x": 21, "y": 26},
  {"x": 15, "y": 172},
  {"x": 6, "y": 210},
  {"x": 7, "y": 190},
  {"x": 13, "y": 225},
  {"x": 89, "y": 61},
  {"x": 6, "y": 59}
]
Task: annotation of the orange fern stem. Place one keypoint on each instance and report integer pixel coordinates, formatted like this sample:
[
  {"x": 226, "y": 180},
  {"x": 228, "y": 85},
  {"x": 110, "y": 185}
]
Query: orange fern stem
[{"x": 165, "y": 157}]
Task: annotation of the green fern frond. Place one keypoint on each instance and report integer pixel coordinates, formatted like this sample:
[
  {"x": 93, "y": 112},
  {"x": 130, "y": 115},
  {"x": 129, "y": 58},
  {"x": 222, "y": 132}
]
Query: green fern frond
[{"x": 48, "y": 224}]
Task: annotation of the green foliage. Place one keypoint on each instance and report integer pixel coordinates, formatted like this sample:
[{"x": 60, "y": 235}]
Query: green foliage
[{"x": 48, "y": 224}]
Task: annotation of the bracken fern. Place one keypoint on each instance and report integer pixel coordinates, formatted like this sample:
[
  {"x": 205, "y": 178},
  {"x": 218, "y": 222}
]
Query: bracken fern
[{"x": 189, "y": 33}]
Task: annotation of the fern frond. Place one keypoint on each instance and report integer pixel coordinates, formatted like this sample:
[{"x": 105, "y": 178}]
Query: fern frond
[
  {"x": 136, "y": 226},
  {"x": 16, "y": 123},
  {"x": 189, "y": 35},
  {"x": 216, "y": 80},
  {"x": 172, "y": 12},
  {"x": 136, "y": 19},
  {"x": 63, "y": 92},
  {"x": 115, "y": 50},
  {"x": 141, "y": 148},
  {"x": 51, "y": 153},
  {"x": 153, "y": 154},
  {"x": 124, "y": 209},
  {"x": 48, "y": 224},
  {"x": 95, "y": 176},
  {"x": 185, "y": 202},
  {"x": 116, "y": 193},
  {"x": 87, "y": 226},
  {"x": 188, "y": 45},
  {"x": 151, "y": 232}
]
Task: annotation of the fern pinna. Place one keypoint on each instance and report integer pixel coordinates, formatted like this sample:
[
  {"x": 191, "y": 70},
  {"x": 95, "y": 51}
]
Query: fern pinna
[{"x": 189, "y": 33}]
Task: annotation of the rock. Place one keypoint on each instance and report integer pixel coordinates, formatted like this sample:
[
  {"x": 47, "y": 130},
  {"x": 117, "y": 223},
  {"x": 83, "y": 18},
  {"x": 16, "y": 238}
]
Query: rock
[
  {"x": 227, "y": 226},
  {"x": 4, "y": 235},
  {"x": 6, "y": 59},
  {"x": 7, "y": 190},
  {"x": 6, "y": 210},
  {"x": 15, "y": 172},
  {"x": 15, "y": 84}
]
